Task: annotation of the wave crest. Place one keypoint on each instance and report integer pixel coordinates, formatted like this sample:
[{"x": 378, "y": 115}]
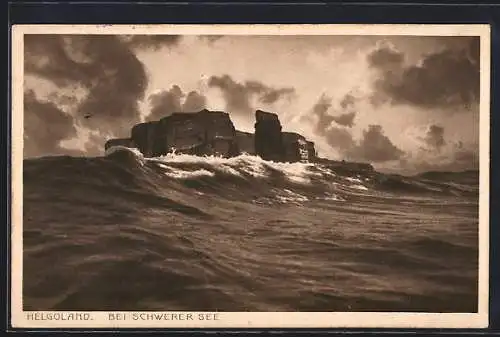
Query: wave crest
[{"x": 312, "y": 179}]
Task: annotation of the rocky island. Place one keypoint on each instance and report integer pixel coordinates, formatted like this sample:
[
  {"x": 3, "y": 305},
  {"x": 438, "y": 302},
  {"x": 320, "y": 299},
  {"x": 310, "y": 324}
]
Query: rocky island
[{"x": 207, "y": 133}]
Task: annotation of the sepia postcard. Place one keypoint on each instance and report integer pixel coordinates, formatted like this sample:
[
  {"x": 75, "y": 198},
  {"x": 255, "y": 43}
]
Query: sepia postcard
[{"x": 250, "y": 176}]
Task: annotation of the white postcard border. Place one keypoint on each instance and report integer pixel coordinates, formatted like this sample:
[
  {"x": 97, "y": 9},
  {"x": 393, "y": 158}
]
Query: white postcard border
[{"x": 101, "y": 319}]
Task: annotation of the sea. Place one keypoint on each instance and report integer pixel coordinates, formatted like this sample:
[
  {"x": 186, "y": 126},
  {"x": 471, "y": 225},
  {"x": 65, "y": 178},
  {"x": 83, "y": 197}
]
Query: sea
[{"x": 180, "y": 232}]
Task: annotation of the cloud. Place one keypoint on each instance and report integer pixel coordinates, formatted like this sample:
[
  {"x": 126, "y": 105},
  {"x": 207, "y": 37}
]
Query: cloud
[
  {"x": 166, "y": 102},
  {"x": 102, "y": 69},
  {"x": 444, "y": 79},
  {"x": 103, "y": 76},
  {"x": 386, "y": 58},
  {"x": 151, "y": 42},
  {"x": 348, "y": 101},
  {"x": 346, "y": 119},
  {"x": 320, "y": 111},
  {"x": 339, "y": 138},
  {"x": 434, "y": 138},
  {"x": 456, "y": 157},
  {"x": 194, "y": 102},
  {"x": 465, "y": 159},
  {"x": 46, "y": 56},
  {"x": 238, "y": 96},
  {"x": 45, "y": 126},
  {"x": 94, "y": 144},
  {"x": 103, "y": 65},
  {"x": 375, "y": 146},
  {"x": 270, "y": 95},
  {"x": 325, "y": 103}
]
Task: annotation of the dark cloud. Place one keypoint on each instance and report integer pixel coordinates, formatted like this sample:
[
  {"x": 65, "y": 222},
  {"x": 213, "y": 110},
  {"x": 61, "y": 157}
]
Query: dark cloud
[
  {"x": 336, "y": 137},
  {"x": 386, "y": 58},
  {"x": 194, "y": 102},
  {"x": 339, "y": 138},
  {"x": 113, "y": 99},
  {"x": 320, "y": 111},
  {"x": 235, "y": 94},
  {"x": 266, "y": 95},
  {"x": 375, "y": 146},
  {"x": 324, "y": 119},
  {"x": 103, "y": 65},
  {"x": 434, "y": 137},
  {"x": 270, "y": 95},
  {"x": 46, "y": 56},
  {"x": 238, "y": 96},
  {"x": 166, "y": 102},
  {"x": 348, "y": 106},
  {"x": 151, "y": 42},
  {"x": 346, "y": 119},
  {"x": 45, "y": 126},
  {"x": 102, "y": 68},
  {"x": 444, "y": 79},
  {"x": 348, "y": 101}
]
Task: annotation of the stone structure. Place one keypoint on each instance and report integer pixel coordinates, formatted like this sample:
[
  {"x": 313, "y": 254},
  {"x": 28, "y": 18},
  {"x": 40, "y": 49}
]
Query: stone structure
[
  {"x": 144, "y": 137},
  {"x": 246, "y": 142},
  {"x": 201, "y": 133},
  {"x": 296, "y": 147},
  {"x": 311, "y": 150},
  {"x": 213, "y": 133},
  {"x": 268, "y": 136}
]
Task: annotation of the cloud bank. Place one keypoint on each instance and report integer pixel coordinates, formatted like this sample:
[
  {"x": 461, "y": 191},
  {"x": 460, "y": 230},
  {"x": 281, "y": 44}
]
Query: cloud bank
[
  {"x": 238, "y": 96},
  {"x": 443, "y": 79},
  {"x": 166, "y": 102},
  {"x": 103, "y": 70},
  {"x": 397, "y": 103}
]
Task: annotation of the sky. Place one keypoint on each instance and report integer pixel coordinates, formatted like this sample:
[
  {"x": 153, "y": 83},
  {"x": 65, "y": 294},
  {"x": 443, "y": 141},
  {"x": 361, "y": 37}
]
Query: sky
[{"x": 406, "y": 104}]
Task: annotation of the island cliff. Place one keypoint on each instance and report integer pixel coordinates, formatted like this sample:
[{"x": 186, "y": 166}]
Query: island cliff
[
  {"x": 202, "y": 133},
  {"x": 213, "y": 133}
]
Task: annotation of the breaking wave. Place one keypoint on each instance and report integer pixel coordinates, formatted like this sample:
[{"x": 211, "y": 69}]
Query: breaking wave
[
  {"x": 308, "y": 178},
  {"x": 181, "y": 232}
]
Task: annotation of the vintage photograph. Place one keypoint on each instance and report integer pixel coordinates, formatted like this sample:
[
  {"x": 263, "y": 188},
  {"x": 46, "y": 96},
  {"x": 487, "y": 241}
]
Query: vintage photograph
[{"x": 250, "y": 172}]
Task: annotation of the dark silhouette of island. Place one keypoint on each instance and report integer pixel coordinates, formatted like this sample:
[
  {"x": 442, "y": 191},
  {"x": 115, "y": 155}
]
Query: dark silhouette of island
[{"x": 207, "y": 133}]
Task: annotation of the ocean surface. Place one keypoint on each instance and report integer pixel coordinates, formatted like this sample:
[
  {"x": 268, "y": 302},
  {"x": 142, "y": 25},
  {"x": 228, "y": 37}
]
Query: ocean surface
[{"x": 121, "y": 232}]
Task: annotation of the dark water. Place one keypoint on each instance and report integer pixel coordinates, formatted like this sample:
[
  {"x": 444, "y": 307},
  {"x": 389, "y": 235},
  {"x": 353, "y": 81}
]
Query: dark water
[{"x": 188, "y": 233}]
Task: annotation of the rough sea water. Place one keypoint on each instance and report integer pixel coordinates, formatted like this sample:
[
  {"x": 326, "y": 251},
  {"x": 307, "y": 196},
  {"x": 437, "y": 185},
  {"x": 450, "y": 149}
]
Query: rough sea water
[{"x": 121, "y": 232}]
